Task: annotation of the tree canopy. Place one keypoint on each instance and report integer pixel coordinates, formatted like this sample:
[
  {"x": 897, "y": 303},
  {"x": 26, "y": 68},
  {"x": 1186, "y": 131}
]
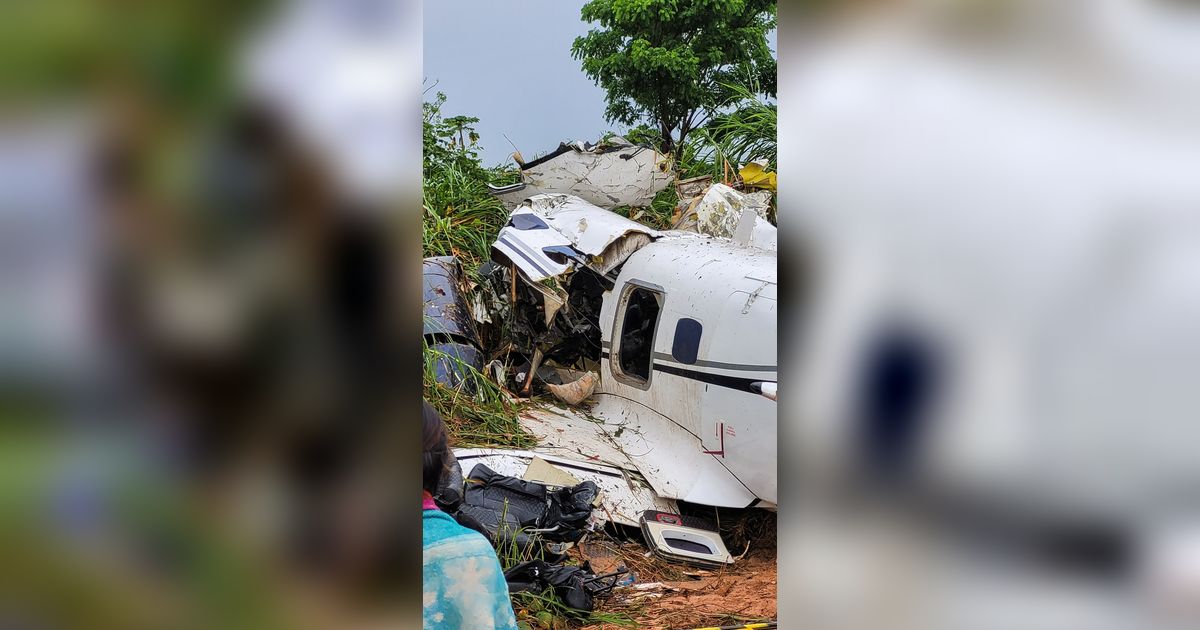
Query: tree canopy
[{"x": 669, "y": 62}]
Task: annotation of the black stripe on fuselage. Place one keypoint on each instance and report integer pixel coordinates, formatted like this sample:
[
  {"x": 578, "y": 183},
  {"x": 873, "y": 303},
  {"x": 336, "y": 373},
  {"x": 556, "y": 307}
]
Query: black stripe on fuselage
[
  {"x": 522, "y": 253},
  {"x": 720, "y": 380}
]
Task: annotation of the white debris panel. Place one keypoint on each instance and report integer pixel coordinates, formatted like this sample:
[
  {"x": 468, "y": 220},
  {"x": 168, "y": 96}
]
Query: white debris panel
[
  {"x": 611, "y": 174},
  {"x": 549, "y": 235},
  {"x": 727, "y": 213}
]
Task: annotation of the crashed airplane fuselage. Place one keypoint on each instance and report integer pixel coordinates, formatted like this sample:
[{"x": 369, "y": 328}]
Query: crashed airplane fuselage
[{"x": 687, "y": 356}]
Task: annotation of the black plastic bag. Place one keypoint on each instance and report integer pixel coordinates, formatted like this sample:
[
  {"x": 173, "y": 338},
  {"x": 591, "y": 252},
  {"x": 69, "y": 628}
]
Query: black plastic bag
[{"x": 568, "y": 582}]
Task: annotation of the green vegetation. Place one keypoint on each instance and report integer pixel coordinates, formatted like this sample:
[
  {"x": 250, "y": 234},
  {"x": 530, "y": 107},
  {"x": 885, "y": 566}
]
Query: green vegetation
[
  {"x": 545, "y": 611},
  {"x": 667, "y": 63},
  {"x": 486, "y": 418},
  {"x": 746, "y": 131},
  {"x": 459, "y": 216}
]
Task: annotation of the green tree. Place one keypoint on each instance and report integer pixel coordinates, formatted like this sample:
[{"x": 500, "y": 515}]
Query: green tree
[{"x": 667, "y": 62}]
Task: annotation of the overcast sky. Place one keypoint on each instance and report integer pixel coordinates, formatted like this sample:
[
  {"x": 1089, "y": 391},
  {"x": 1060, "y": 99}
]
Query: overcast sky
[{"x": 508, "y": 63}]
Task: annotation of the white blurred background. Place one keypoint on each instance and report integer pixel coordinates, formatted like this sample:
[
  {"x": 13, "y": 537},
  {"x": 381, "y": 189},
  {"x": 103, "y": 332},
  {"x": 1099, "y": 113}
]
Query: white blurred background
[{"x": 992, "y": 362}]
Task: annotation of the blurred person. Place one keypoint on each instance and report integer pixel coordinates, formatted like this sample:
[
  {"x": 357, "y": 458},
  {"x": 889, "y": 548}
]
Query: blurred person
[{"x": 464, "y": 586}]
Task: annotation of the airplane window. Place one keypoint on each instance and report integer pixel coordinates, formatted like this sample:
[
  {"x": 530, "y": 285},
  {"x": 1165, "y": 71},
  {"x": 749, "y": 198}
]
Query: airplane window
[
  {"x": 636, "y": 352},
  {"x": 686, "y": 346}
]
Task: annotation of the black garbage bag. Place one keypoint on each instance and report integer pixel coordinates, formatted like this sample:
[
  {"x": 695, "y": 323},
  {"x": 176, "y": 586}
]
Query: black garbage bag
[
  {"x": 507, "y": 506},
  {"x": 569, "y": 582}
]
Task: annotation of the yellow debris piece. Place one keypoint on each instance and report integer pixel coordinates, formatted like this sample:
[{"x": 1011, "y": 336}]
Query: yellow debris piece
[{"x": 754, "y": 174}]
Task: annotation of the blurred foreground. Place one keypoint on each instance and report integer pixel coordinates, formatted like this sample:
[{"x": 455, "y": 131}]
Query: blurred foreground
[
  {"x": 204, "y": 410},
  {"x": 992, "y": 352}
]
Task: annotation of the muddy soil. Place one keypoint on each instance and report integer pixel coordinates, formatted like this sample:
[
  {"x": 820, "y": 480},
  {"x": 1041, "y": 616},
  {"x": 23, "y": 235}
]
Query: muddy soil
[{"x": 687, "y": 597}]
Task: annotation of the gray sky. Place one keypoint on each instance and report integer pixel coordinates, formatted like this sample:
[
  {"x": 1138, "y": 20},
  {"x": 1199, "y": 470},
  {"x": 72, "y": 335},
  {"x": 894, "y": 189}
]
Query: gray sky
[{"x": 509, "y": 64}]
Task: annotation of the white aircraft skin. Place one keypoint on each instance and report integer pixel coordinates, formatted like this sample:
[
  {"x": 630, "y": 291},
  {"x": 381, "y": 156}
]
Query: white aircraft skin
[{"x": 699, "y": 421}]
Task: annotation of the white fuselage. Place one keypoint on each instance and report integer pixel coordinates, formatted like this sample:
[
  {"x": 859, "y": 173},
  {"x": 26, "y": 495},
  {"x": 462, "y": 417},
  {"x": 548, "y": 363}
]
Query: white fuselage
[{"x": 713, "y": 342}]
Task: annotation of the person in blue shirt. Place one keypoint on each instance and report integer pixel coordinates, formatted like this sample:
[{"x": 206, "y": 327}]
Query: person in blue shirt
[{"x": 463, "y": 584}]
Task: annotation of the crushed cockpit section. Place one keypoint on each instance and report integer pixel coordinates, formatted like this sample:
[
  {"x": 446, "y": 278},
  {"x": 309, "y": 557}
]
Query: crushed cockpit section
[{"x": 554, "y": 261}]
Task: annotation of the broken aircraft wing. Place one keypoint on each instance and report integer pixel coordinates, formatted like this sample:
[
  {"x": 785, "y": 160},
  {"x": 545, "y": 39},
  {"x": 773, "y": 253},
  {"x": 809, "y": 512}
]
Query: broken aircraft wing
[
  {"x": 611, "y": 174},
  {"x": 664, "y": 453}
]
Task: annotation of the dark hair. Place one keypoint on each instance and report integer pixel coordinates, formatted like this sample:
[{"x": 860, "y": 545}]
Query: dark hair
[{"x": 435, "y": 447}]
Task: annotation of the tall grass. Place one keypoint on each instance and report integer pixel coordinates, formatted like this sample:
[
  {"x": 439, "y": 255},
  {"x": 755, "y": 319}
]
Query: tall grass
[
  {"x": 459, "y": 216},
  {"x": 485, "y": 418}
]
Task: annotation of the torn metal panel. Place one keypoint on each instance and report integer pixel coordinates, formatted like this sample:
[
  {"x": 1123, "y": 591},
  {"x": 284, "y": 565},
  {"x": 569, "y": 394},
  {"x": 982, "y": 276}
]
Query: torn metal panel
[
  {"x": 755, "y": 175},
  {"x": 587, "y": 227},
  {"x": 614, "y": 173},
  {"x": 669, "y": 457},
  {"x": 755, "y": 231},
  {"x": 450, "y": 365},
  {"x": 527, "y": 250},
  {"x": 449, "y": 330},
  {"x": 675, "y": 539},
  {"x": 553, "y": 297},
  {"x": 549, "y": 235},
  {"x": 542, "y": 471},
  {"x": 445, "y": 309},
  {"x": 721, "y": 208},
  {"x": 727, "y": 213},
  {"x": 624, "y": 494}
]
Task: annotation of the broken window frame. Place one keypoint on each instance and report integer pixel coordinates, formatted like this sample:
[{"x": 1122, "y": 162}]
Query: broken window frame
[{"x": 614, "y": 357}]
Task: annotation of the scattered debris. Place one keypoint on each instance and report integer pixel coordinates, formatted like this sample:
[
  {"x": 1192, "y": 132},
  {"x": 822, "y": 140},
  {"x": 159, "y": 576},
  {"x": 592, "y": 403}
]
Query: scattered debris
[
  {"x": 691, "y": 542},
  {"x": 612, "y": 173},
  {"x": 622, "y": 494},
  {"x": 754, "y": 174},
  {"x": 659, "y": 348},
  {"x": 576, "y": 586},
  {"x": 576, "y": 391},
  {"x": 448, "y": 328},
  {"x": 693, "y": 187},
  {"x": 727, "y": 213},
  {"x": 669, "y": 600}
]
